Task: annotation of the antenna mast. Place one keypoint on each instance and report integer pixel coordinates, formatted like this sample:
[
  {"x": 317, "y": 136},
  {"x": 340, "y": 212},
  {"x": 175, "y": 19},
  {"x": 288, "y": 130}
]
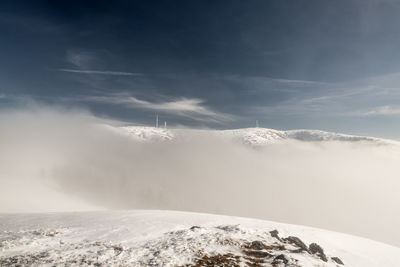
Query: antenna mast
[{"x": 156, "y": 120}]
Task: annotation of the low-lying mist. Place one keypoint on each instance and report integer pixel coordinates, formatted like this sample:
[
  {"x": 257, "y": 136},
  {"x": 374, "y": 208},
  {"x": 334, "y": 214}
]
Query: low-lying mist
[{"x": 52, "y": 159}]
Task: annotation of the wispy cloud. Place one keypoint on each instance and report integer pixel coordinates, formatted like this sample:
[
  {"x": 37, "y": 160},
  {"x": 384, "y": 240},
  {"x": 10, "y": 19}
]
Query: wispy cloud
[
  {"x": 193, "y": 108},
  {"x": 103, "y": 72},
  {"x": 299, "y": 82},
  {"x": 382, "y": 111},
  {"x": 82, "y": 59},
  {"x": 84, "y": 62},
  {"x": 260, "y": 84}
]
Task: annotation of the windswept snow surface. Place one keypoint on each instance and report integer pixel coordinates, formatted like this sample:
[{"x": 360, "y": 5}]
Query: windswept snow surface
[
  {"x": 250, "y": 136},
  {"x": 149, "y": 133},
  {"x": 168, "y": 238}
]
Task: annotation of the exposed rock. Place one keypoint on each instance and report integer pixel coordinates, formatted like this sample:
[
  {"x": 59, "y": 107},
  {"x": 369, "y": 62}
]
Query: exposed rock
[
  {"x": 275, "y": 234},
  {"x": 280, "y": 258},
  {"x": 256, "y": 245},
  {"x": 257, "y": 253},
  {"x": 229, "y": 228},
  {"x": 197, "y": 244},
  {"x": 279, "y": 247},
  {"x": 118, "y": 249},
  {"x": 316, "y": 249},
  {"x": 218, "y": 260},
  {"x": 297, "y": 242},
  {"x": 254, "y": 262},
  {"x": 337, "y": 260}
]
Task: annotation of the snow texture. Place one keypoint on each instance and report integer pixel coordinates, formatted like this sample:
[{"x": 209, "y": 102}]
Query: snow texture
[{"x": 167, "y": 238}]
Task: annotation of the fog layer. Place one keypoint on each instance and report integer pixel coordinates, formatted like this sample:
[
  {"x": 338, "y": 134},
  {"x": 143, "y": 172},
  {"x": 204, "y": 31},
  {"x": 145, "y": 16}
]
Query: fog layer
[{"x": 57, "y": 160}]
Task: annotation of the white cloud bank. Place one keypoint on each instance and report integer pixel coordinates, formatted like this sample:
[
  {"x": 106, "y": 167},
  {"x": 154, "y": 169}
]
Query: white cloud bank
[{"x": 53, "y": 159}]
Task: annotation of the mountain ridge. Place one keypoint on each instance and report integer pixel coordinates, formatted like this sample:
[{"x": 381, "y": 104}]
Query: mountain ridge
[{"x": 251, "y": 136}]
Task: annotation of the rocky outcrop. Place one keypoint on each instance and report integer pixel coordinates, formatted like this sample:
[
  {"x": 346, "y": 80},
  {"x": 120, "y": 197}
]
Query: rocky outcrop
[
  {"x": 258, "y": 253},
  {"x": 337, "y": 260},
  {"x": 316, "y": 249},
  {"x": 197, "y": 245},
  {"x": 296, "y": 242}
]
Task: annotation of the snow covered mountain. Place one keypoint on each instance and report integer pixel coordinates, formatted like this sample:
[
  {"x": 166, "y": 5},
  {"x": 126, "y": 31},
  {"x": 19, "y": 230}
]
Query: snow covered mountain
[
  {"x": 167, "y": 238},
  {"x": 249, "y": 136},
  {"x": 148, "y": 133}
]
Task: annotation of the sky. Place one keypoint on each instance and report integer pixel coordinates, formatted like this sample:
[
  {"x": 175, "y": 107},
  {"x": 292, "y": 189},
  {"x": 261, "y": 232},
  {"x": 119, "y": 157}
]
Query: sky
[{"x": 319, "y": 64}]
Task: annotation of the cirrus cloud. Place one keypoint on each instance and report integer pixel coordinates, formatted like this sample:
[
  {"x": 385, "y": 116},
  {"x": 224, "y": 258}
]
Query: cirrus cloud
[
  {"x": 193, "y": 108},
  {"x": 383, "y": 110},
  {"x": 102, "y": 72}
]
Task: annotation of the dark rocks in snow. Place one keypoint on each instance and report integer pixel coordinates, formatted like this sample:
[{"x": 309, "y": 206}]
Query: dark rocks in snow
[
  {"x": 294, "y": 240},
  {"x": 118, "y": 249},
  {"x": 280, "y": 259},
  {"x": 337, "y": 260},
  {"x": 229, "y": 228},
  {"x": 256, "y": 245},
  {"x": 218, "y": 260},
  {"x": 314, "y": 248},
  {"x": 279, "y": 247},
  {"x": 275, "y": 234},
  {"x": 257, "y": 253}
]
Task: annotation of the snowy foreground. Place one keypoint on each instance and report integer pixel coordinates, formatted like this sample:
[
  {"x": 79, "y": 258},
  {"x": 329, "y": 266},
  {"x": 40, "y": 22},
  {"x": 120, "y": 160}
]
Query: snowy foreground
[{"x": 167, "y": 238}]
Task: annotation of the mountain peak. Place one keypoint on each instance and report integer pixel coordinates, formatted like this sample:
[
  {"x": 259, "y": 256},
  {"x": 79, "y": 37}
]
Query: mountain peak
[{"x": 250, "y": 136}]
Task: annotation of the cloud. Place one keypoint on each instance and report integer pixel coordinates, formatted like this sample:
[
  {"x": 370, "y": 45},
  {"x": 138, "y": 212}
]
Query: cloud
[
  {"x": 81, "y": 60},
  {"x": 102, "y": 72},
  {"x": 193, "y": 108},
  {"x": 382, "y": 111},
  {"x": 335, "y": 100},
  {"x": 85, "y": 62},
  {"x": 299, "y": 82},
  {"x": 51, "y": 156},
  {"x": 261, "y": 84}
]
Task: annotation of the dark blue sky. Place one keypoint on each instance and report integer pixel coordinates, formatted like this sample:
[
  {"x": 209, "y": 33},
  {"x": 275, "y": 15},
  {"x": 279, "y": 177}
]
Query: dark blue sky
[{"x": 332, "y": 65}]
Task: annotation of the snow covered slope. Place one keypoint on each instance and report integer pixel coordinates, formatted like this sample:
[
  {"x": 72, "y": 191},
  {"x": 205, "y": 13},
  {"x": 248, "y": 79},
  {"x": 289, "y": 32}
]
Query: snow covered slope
[
  {"x": 148, "y": 133},
  {"x": 167, "y": 238},
  {"x": 250, "y": 136}
]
